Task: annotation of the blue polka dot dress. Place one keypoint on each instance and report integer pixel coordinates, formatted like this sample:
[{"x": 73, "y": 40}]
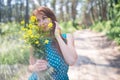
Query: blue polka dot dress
[{"x": 56, "y": 61}]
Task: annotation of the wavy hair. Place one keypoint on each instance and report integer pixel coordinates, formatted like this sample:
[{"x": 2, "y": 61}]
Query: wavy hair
[{"x": 50, "y": 14}]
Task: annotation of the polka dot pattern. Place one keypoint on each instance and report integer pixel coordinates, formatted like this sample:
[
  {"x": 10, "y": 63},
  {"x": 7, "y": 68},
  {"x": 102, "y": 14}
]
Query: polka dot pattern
[{"x": 57, "y": 62}]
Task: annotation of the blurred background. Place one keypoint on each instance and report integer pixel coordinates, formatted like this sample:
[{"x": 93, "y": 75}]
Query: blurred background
[{"x": 95, "y": 24}]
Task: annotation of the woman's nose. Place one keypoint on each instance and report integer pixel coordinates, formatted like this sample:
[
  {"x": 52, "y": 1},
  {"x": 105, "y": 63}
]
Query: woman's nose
[{"x": 40, "y": 23}]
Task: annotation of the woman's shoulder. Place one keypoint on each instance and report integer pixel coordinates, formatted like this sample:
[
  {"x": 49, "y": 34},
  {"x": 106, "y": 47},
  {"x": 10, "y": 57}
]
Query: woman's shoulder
[
  {"x": 67, "y": 35},
  {"x": 64, "y": 35}
]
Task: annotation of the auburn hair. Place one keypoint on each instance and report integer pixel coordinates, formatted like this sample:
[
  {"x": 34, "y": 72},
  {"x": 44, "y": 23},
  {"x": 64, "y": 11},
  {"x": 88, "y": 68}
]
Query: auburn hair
[{"x": 50, "y": 14}]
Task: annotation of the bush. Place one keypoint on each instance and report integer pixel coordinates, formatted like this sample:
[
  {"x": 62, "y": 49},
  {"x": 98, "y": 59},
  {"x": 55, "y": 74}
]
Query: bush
[
  {"x": 114, "y": 33},
  {"x": 11, "y": 48},
  {"x": 67, "y": 27},
  {"x": 104, "y": 26},
  {"x": 111, "y": 28}
]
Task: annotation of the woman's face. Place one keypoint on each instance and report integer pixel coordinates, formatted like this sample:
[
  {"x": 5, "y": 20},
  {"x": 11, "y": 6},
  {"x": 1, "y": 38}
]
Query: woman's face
[{"x": 43, "y": 21}]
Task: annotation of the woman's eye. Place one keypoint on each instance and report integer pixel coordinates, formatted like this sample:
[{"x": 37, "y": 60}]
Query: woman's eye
[
  {"x": 44, "y": 17},
  {"x": 38, "y": 20}
]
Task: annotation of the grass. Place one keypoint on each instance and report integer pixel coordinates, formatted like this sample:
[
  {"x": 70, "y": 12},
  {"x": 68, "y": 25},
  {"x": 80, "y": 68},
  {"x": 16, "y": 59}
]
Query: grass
[{"x": 13, "y": 50}]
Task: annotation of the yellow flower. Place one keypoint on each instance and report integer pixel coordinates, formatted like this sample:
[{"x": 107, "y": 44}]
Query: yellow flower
[
  {"x": 33, "y": 18},
  {"x": 23, "y": 29},
  {"x": 36, "y": 23},
  {"x": 32, "y": 36},
  {"x": 49, "y": 19},
  {"x": 37, "y": 42},
  {"x": 30, "y": 26},
  {"x": 24, "y": 36},
  {"x": 50, "y": 25},
  {"x": 29, "y": 32},
  {"x": 37, "y": 28},
  {"x": 22, "y": 22},
  {"x": 36, "y": 36},
  {"x": 46, "y": 41}
]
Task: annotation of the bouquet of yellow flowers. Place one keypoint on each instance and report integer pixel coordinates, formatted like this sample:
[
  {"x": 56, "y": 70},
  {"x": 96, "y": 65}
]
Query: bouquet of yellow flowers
[{"x": 36, "y": 36}]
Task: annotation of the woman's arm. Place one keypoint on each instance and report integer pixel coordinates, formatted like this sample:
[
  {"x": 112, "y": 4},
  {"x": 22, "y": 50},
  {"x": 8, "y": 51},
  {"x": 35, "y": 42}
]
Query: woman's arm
[
  {"x": 36, "y": 65},
  {"x": 31, "y": 60},
  {"x": 68, "y": 50}
]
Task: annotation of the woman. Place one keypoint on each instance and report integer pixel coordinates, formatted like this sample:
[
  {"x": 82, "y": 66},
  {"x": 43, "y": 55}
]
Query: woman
[{"x": 60, "y": 50}]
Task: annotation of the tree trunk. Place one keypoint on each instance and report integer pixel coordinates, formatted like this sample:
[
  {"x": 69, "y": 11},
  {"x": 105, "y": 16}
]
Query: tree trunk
[
  {"x": 73, "y": 7},
  {"x": 61, "y": 10},
  {"x": 27, "y": 13},
  {"x": 111, "y": 10},
  {"x": 74, "y": 12},
  {"x": 45, "y": 2},
  {"x": 0, "y": 10},
  {"x": 53, "y": 3},
  {"x": 116, "y": 1},
  {"x": 67, "y": 11},
  {"x": 40, "y": 2},
  {"x": 9, "y": 11},
  {"x": 92, "y": 13},
  {"x": 100, "y": 10},
  {"x": 21, "y": 8},
  {"x": 104, "y": 10}
]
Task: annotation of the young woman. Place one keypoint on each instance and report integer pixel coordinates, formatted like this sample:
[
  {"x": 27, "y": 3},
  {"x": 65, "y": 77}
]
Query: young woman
[{"x": 60, "y": 51}]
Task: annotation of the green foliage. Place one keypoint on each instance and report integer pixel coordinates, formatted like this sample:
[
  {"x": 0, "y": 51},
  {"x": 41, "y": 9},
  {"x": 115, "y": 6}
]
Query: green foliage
[
  {"x": 101, "y": 26},
  {"x": 9, "y": 28},
  {"x": 67, "y": 27},
  {"x": 111, "y": 28},
  {"x": 114, "y": 32},
  {"x": 97, "y": 27},
  {"x": 12, "y": 50},
  {"x": 14, "y": 56}
]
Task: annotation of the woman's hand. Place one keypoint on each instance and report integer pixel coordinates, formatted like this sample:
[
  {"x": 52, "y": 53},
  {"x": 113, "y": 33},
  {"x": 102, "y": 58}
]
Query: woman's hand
[
  {"x": 40, "y": 65},
  {"x": 57, "y": 30}
]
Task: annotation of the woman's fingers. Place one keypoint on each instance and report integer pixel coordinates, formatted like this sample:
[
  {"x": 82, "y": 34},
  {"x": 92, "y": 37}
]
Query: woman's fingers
[
  {"x": 57, "y": 29},
  {"x": 41, "y": 69},
  {"x": 41, "y": 65},
  {"x": 57, "y": 26},
  {"x": 41, "y": 61}
]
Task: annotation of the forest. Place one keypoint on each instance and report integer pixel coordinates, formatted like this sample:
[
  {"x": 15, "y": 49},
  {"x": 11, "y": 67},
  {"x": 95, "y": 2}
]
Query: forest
[{"x": 72, "y": 15}]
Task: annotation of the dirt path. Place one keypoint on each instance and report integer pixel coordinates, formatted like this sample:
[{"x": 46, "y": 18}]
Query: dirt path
[{"x": 98, "y": 57}]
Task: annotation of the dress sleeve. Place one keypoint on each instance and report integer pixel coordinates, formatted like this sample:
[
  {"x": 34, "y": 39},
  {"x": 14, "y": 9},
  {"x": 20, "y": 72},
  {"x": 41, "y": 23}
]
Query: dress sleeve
[{"x": 64, "y": 35}]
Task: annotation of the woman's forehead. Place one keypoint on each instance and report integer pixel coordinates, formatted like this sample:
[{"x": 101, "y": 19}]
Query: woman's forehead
[{"x": 41, "y": 14}]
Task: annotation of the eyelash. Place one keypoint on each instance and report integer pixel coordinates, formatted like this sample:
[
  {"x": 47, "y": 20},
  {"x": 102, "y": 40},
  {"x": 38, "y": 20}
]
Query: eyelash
[{"x": 44, "y": 17}]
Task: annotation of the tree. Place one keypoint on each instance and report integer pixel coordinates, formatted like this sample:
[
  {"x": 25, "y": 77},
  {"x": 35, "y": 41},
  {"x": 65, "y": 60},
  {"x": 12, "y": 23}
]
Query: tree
[
  {"x": 53, "y": 3},
  {"x": 9, "y": 11},
  {"x": 27, "y": 12},
  {"x": 61, "y": 10},
  {"x": 67, "y": 10},
  {"x": 0, "y": 10},
  {"x": 73, "y": 7}
]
